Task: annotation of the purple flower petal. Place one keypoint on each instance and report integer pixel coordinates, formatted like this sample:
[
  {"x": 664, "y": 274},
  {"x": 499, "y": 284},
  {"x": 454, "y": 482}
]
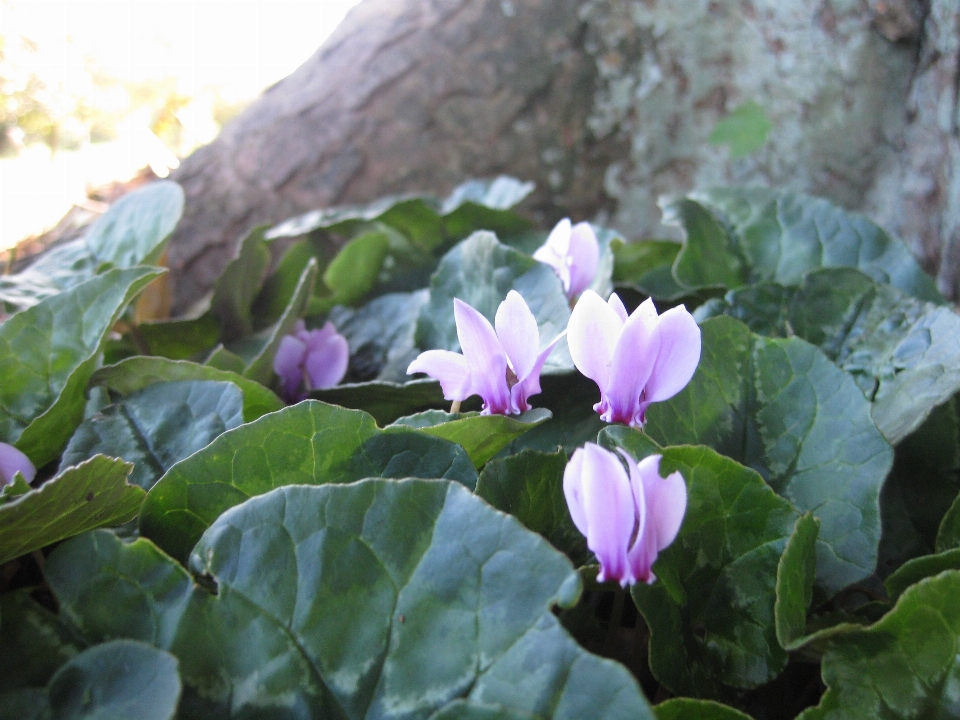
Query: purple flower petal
[
  {"x": 583, "y": 258},
  {"x": 555, "y": 250},
  {"x": 678, "y": 357},
  {"x": 666, "y": 500},
  {"x": 288, "y": 365},
  {"x": 518, "y": 333},
  {"x": 573, "y": 490},
  {"x": 328, "y": 355},
  {"x": 449, "y": 368},
  {"x": 485, "y": 358},
  {"x": 592, "y": 336},
  {"x": 530, "y": 385},
  {"x": 617, "y": 304},
  {"x": 633, "y": 360},
  {"x": 13, "y": 461}
]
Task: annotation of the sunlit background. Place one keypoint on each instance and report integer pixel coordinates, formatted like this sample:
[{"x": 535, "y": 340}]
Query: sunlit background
[{"x": 93, "y": 92}]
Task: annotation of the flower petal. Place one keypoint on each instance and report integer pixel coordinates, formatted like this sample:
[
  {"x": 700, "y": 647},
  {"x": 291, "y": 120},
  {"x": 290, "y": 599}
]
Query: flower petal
[
  {"x": 555, "y": 250},
  {"x": 583, "y": 257},
  {"x": 642, "y": 554},
  {"x": 617, "y": 304},
  {"x": 666, "y": 500},
  {"x": 678, "y": 357},
  {"x": 592, "y": 336},
  {"x": 609, "y": 511},
  {"x": 633, "y": 360},
  {"x": 485, "y": 358},
  {"x": 288, "y": 365},
  {"x": 328, "y": 355},
  {"x": 13, "y": 461},
  {"x": 449, "y": 368},
  {"x": 573, "y": 490},
  {"x": 530, "y": 385},
  {"x": 518, "y": 333}
]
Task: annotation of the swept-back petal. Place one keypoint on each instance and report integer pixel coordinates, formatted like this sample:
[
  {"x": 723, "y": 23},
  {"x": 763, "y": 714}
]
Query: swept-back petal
[
  {"x": 573, "y": 490},
  {"x": 554, "y": 251},
  {"x": 449, "y": 368},
  {"x": 485, "y": 358},
  {"x": 633, "y": 360},
  {"x": 678, "y": 357},
  {"x": 583, "y": 257},
  {"x": 666, "y": 500},
  {"x": 592, "y": 336},
  {"x": 13, "y": 461},
  {"x": 327, "y": 357},
  {"x": 288, "y": 365},
  {"x": 530, "y": 384},
  {"x": 518, "y": 333},
  {"x": 617, "y": 304},
  {"x": 609, "y": 510}
]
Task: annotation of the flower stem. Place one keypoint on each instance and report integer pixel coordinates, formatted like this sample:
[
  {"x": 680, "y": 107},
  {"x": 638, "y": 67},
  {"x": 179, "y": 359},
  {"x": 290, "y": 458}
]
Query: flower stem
[
  {"x": 455, "y": 407},
  {"x": 616, "y": 618}
]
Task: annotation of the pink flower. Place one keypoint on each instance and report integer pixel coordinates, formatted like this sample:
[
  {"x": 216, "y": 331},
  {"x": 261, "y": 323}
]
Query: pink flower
[
  {"x": 636, "y": 360},
  {"x": 502, "y": 366},
  {"x": 627, "y": 519},
  {"x": 13, "y": 461},
  {"x": 573, "y": 253},
  {"x": 315, "y": 359}
]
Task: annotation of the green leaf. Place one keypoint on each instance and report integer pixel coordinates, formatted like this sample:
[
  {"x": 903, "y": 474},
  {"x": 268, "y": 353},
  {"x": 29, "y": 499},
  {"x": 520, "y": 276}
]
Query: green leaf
[
  {"x": 779, "y": 235},
  {"x": 647, "y": 266},
  {"x": 35, "y": 637},
  {"x": 904, "y": 353},
  {"x": 353, "y": 271},
  {"x": 222, "y": 359},
  {"x": 18, "y": 487},
  {"x": 948, "y": 534},
  {"x": 920, "y": 489},
  {"x": 257, "y": 351},
  {"x": 386, "y": 401},
  {"x": 744, "y": 130},
  {"x": 796, "y": 572},
  {"x": 687, "y": 709},
  {"x": 782, "y": 408},
  {"x": 381, "y": 335},
  {"x": 89, "y": 495},
  {"x": 309, "y": 443},
  {"x": 570, "y": 397},
  {"x": 135, "y": 228},
  {"x": 919, "y": 568},
  {"x": 136, "y": 373},
  {"x": 118, "y": 679},
  {"x": 711, "y": 612},
  {"x": 56, "y": 270},
  {"x": 239, "y": 284},
  {"x": 529, "y": 486},
  {"x": 482, "y": 436},
  {"x": 904, "y": 666},
  {"x": 379, "y": 599},
  {"x": 180, "y": 339},
  {"x": 25, "y": 704},
  {"x": 278, "y": 289},
  {"x": 158, "y": 426},
  {"x": 47, "y": 354},
  {"x": 480, "y": 271}
]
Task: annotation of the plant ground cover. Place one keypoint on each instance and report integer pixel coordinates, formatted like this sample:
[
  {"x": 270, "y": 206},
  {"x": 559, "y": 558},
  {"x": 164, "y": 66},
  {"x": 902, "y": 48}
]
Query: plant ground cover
[{"x": 194, "y": 547}]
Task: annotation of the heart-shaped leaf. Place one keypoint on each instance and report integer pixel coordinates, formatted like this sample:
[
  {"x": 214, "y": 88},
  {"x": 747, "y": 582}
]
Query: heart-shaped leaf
[
  {"x": 238, "y": 285},
  {"x": 688, "y": 709},
  {"x": 308, "y": 443},
  {"x": 482, "y": 436},
  {"x": 796, "y": 573},
  {"x": 647, "y": 266},
  {"x": 90, "y": 495},
  {"x": 782, "y": 408},
  {"x": 745, "y": 235},
  {"x": 136, "y": 373},
  {"x": 386, "y": 401},
  {"x": 158, "y": 426},
  {"x": 904, "y": 666},
  {"x": 384, "y": 599},
  {"x": 48, "y": 353}
]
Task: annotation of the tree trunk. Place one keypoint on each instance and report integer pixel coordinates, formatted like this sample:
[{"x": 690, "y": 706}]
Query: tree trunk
[{"x": 606, "y": 105}]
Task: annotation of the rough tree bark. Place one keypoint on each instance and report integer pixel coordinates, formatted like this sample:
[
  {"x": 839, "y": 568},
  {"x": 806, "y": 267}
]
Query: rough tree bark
[{"x": 605, "y": 105}]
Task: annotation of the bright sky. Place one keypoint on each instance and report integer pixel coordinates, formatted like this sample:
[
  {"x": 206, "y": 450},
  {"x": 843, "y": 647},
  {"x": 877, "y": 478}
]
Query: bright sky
[{"x": 234, "y": 49}]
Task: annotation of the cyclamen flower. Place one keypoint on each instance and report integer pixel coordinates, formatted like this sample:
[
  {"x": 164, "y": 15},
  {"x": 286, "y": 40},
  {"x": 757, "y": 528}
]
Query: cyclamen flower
[
  {"x": 627, "y": 519},
  {"x": 573, "y": 253},
  {"x": 315, "y": 359},
  {"x": 502, "y": 366},
  {"x": 13, "y": 461},
  {"x": 636, "y": 360}
]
